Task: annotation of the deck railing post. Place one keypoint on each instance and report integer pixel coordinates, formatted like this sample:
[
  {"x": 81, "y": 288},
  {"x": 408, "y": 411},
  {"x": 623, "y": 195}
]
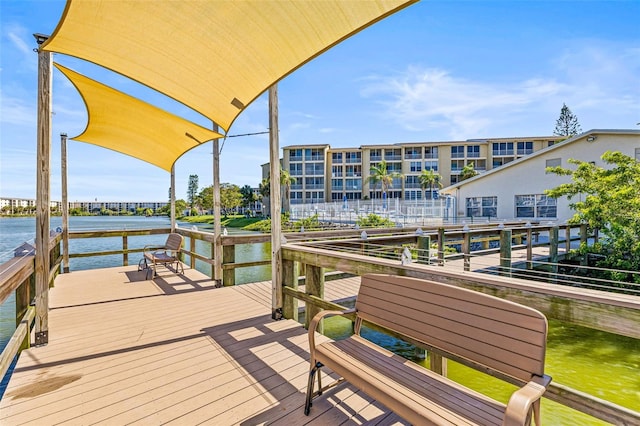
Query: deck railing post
[
  {"x": 441, "y": 246},
  {"x": 466, "y": 250},
  {"x": 192, "y": 249},
  {"x": 23, "y": 298},
  {"x": 529, "y": 248},
  {"x": 290, "y": 279},
  {"x": 43, "y": 193},
  {"x": 228, "y": 257},
  {"x": 424, "y": 249},
  {"x": 125, "y": 250},
  {"x": 567, "y": 239},
  {"x": 553, "y": 248},
  {"x": 505, "y": 252},
  {"x": 583, "y": 241},
  {"x": 314, "y": 285}
]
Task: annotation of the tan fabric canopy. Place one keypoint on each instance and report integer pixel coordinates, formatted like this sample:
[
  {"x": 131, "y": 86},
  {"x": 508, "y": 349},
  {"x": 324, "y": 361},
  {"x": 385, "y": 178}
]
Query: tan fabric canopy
[
  {"x": 125, "y": 124},
  {"x": 213, "y": 56}
]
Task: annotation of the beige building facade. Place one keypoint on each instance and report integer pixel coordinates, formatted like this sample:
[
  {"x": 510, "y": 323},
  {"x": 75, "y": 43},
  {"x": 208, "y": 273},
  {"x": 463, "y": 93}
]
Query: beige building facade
[{"x": 325, "y": 174}]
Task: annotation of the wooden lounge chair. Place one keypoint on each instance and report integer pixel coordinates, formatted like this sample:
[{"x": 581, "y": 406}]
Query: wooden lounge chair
[{"x": 163, "y": 255}]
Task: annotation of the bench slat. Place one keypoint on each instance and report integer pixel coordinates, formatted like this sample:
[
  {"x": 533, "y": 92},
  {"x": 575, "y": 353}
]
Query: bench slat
[
  {"x": 415, "y": 393},
  {"x": 399, "y": 307}
]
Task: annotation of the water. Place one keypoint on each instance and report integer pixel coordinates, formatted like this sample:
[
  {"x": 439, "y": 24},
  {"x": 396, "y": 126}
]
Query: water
[{"x": 601, "y": 364}]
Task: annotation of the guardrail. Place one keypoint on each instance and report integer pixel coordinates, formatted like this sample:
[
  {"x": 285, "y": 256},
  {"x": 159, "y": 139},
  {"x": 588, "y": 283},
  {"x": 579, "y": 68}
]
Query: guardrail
[{"x": 17, "y": 276}]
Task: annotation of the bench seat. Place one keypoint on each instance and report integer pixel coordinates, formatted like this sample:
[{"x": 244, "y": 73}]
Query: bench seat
[{"x": 434, "y": 399}]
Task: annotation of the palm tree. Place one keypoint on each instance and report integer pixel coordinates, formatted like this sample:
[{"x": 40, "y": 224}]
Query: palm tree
[
  {"x": 468, "y": 172},
  {"x": 428, "y": 179},
  {"x": 286, "y": 180},
  {"x": 379, "y": 173}
]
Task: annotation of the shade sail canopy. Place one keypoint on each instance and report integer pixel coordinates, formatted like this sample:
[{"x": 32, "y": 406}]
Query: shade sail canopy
[
  {"x": 213, "y": 56},
  {"x": 130, "y": 126}
]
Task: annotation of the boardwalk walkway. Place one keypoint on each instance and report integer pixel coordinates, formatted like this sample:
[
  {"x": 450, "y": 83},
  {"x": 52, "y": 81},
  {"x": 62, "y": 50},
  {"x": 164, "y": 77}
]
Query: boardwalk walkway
[{"x": 175, "y": 350}]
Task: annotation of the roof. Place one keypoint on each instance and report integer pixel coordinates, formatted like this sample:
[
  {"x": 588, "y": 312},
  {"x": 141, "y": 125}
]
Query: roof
[
  {"x": 216, "y": 57},
  {"x": 543, "y": 151}
]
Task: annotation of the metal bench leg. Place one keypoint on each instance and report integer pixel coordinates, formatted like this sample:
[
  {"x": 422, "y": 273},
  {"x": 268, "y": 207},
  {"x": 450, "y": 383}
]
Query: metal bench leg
[{"x": 312, "y": 372}]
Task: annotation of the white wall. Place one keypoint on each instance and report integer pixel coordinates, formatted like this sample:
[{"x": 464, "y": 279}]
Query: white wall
[{"x": 528, "y": 176}]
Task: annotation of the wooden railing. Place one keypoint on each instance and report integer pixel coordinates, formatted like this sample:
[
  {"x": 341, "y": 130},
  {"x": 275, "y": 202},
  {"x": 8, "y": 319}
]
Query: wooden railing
[
  {"x": 614, "y": 313},
  {"x": 17, "y": 276}
]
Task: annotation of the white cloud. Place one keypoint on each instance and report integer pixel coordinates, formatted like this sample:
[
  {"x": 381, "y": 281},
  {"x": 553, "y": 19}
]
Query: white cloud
[{"x": 599, "y": 83}]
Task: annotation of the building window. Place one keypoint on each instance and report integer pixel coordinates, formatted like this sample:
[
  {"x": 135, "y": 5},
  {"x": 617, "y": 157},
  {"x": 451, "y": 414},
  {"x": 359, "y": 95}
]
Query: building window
[
  {"x": 457, "y": 152},
  {"x": 412, "y": 153},
  {"x": 353, "y": 184},
  {"x": 637, "y": 154},
  {"x": 431, "y": 152},
  {"x": 314, "y": 154},
  {"x": 375, "y": 155},
  {"x": 295, "y": 169},
  {"x": 473, "y": 151},
  {"x": 431, "y": 165},
  {"x": 336, "y": 157},
  {"x": 314, "y": 169},
  {"x": 415, "y": 166},
  {"x": 393, "y": 154},
  {"x": 297, "y": 184},
  {"x": 295, "y": 155},
  {"x": 412, "y": 182},
  {"x": 482, "y": 206},
  {"x": 354, "y": 171},
  {"x": 552, "y": 162},
  {"x": 337, "y": 171},
  {"x": 413, "y": 195},
  {"x": 551, "y": 143},
  {"x": 314, "y": 183},
  {"x": 336, "y": 184},
  {"x": 480, "y": 165},
  {"x": 457, "y": 165},
  {"x": 353, "y": 157},
  {"x": 503, "y": 148},
  {"x": 454, "y": 179},
  {"x": 538, "y": 205},
  {"x": 525, "y": 148}
]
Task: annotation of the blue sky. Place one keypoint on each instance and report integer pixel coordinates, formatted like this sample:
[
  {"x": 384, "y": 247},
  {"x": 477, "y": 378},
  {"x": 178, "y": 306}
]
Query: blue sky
[{"x": 436, "y": 71}]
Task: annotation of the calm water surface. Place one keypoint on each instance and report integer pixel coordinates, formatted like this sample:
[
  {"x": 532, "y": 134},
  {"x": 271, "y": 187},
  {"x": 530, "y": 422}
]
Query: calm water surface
[{"x": 598, "y": 363}]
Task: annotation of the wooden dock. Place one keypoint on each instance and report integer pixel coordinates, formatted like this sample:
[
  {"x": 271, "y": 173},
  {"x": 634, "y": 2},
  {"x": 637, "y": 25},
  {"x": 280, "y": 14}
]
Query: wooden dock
[{"x": 177, "y": 350}]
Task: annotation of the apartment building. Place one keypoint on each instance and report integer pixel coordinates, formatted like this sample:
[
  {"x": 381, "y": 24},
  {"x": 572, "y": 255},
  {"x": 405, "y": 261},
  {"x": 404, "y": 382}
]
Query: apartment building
[{"x": 325, "y": 174}]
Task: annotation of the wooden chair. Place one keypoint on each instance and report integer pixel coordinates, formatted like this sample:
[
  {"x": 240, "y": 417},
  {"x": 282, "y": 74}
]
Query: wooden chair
[{"x": 163, "y": 255}]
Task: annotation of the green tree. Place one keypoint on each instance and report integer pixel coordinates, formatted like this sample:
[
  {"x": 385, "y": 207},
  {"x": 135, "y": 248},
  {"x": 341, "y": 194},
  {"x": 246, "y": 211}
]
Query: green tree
[
  {"x": 609, "y": 201},
  {"x": 204, "y": 199},
  {"x": 192, "y": 190},
  {"x": 374, "y": 221},
  {"x": 230, "y": 197},
  {"x": 468, "y": 171},
  {"x": 430, "y": 179},
  {"x": 379, "y": 173},
  {"x": 248, "y": 196},
  {"x": 567, "y": 124},
  {"x": 286, "y": 180}
]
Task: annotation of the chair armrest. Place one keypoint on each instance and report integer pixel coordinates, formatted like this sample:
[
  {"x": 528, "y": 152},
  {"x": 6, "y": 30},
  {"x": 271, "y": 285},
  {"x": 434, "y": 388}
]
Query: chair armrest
[
  {"x": 314, "y": 324},
  {"x": 521, "y": 401},
  {"x": 149, "y": 248}
]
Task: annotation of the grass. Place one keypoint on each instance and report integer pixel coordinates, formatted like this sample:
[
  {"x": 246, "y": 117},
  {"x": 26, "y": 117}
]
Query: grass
[{"x": 231, "y": 221}]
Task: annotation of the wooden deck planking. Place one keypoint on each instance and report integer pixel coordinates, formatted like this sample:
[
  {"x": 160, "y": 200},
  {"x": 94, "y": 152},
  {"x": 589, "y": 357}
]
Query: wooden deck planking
[{"x": 174, "y": 350}]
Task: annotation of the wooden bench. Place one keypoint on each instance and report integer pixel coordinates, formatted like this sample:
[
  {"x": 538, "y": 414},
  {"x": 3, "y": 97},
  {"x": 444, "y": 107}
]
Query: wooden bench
[
  {"x": 496, "y": 336},
  {"x": 163, "y": 255}
]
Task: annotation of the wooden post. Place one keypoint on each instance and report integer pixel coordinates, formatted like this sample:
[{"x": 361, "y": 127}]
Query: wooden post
[
  {"x": 43, "y": 194},
  {"x": 424, "y": 249},
  {"x": 505, "y": 252},
  {"x": 567, "y": 239},
  {"x": 217, "y": 226},
  {"x": 529, "y": 249},
  {"x": 65, "y": 203},
  {"x": 229, "y": 256},
  {"x": 274, "y": 192},
  {"x": 441, "y": 246},
  {"x": 314, "y": 285},
  {"x": 553, "y": 248},
  {"x": 172, "y": 197},
  {"x": 290, "y": 279},
  {"x": 438, "y": 364},
  {"x": 125, "y": 250},
  {"x": 466, "y": 250},
  {"x": 192, "y": 248}
]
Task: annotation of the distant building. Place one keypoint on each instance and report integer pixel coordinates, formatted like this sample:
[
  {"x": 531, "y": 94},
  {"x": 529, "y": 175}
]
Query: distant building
[
  {"x": 24, "y": 203},
  {"x": 87, "y": 206},
  {"x": 325, "y": 174},
  {"x": 516, "y": 190}
]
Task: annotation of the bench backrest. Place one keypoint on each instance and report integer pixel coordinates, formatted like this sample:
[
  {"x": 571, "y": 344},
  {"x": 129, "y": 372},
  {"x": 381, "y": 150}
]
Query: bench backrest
[
  {"x": 174, "y": 242},
  {"x": 502, "y": 335}
]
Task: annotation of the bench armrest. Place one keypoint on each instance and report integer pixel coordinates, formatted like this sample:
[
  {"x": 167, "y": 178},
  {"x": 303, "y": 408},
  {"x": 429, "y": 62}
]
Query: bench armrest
[
  {"x": 312, "y": 329},
  {"x": 522, "y": 400}
]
